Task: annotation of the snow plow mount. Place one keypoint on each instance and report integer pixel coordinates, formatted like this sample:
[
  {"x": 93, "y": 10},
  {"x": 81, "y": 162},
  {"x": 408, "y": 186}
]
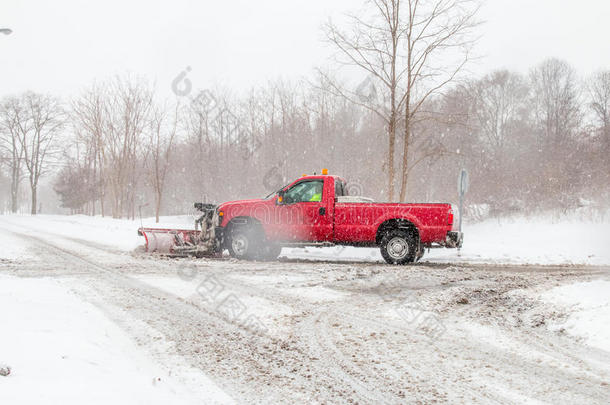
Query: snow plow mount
[{"x": 198, "y": 242}]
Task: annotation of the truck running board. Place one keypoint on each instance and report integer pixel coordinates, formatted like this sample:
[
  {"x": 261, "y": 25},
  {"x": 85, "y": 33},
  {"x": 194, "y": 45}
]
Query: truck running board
[{"x": 309, "y": 244}]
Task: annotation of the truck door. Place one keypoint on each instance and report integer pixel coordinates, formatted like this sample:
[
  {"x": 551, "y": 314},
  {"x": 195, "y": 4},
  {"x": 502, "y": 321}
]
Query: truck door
[{"x": 304, "y": 214}]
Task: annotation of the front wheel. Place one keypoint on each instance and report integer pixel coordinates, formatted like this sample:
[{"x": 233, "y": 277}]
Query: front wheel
[
  {"x": 243, "y": 243},
  {"x": 399, "y": 246},
  {"x": 270, "y": 252}
]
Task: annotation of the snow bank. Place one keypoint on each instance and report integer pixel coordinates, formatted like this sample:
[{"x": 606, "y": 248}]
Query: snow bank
[
  {"x": 546, "y": 240},
  {"x": 62, "y": 350},
  {"x": 542, "y": 240},
  {"x": 588, "y": 304},
  {"x": 120, "y": 234}
]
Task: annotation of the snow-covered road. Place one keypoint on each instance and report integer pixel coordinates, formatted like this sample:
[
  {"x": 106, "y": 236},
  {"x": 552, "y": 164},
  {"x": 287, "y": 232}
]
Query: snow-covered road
[{"x": 288, "y": 331}]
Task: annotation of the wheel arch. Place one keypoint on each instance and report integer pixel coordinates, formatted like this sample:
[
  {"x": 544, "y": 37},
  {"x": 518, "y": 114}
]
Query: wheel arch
[
  {"x": 396, "y": 223},
  {"x": 243, "y": 220}
]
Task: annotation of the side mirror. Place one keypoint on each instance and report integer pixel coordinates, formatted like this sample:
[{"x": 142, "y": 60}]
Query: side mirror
[{"x": 280, "y": 197}]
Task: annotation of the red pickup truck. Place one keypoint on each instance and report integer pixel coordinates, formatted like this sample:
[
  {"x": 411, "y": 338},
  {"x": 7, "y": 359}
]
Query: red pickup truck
[{"x": 316, "y": 210}]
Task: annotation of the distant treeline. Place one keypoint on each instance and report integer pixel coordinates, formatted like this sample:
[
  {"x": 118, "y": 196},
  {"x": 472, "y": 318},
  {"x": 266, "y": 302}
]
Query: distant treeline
[{"x": 535, "y": 141}]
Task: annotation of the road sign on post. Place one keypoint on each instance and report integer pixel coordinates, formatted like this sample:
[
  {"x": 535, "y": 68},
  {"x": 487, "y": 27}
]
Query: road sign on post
[{"x": 463, "y": 183}]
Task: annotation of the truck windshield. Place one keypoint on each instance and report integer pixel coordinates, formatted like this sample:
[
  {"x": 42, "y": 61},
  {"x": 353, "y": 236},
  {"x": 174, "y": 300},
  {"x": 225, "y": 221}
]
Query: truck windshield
[{"x": 275, "y": 192}]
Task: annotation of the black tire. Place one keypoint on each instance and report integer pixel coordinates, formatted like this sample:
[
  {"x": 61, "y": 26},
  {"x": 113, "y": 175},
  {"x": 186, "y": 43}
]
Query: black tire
[
  {"x": 270, "y": 252},
  {"x": 244, "y": 242},
  {"x": 399, "y": 246}
]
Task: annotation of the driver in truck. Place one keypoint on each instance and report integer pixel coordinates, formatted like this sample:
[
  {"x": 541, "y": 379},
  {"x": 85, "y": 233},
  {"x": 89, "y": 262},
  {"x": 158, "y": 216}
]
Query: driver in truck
[{"x": 316, "y": 192}]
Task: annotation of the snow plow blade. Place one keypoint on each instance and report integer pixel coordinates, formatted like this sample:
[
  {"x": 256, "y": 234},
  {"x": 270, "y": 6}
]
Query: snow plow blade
[
  {"x": 167, "y": 240},
  {"x": 199, "y": 242}
]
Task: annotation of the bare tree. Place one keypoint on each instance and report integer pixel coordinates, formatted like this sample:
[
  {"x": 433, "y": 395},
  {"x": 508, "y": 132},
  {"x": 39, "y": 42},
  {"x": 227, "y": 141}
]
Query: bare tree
[
  {"x": 499, "y": 104},
  {"x": 557, "y": 117},
  {"x": 11, "y": 113},
  {"x": 160, "y": 147},
  {"x": 37, "y": 119},
  {"x": 413, "y": 49},
  {"x": 556, "y": 101},
  {"x": 499, "y": 101},
  {"x": 127, "y": 109},
  {"x": 196, "y": 120},
  {"x": 47, "y": 118},
  {"x": 89, "y": 120},
  {"x": 599, "y": 92}
]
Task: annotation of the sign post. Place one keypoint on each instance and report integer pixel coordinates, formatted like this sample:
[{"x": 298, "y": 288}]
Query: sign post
[{"x": 463, "y": 183}]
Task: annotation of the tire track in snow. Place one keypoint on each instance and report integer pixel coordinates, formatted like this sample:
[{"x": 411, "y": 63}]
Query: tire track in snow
[
  {"x": 265, "y": 356},
  {"x": 513, "y": 367}
]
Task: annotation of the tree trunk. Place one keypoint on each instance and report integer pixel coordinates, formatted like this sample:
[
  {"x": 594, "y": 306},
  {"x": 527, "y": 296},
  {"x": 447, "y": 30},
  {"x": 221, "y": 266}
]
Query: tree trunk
[
  {"x": 158, "y": 207},
  {"x": 34, "y": 200},
  {"x": 405, "y": 156},
  {"x": 390, "y": 161},
  {"x": 101, "y": 184},
  {"x": 14, "y": 205},
  {"x": 14, "y": 191},
  {"x": 92, "y": 181},
  {"x": 102, "y": 203},
  {"x": 115, "y": 200},
  {"x": 392, "y": 134},
  {"x": 132, "y": 206}
]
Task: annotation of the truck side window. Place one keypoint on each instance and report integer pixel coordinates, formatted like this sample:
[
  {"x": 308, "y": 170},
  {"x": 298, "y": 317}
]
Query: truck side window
[
  {"x": 304, "y": 191},
  {"x": 340, "y": 189}
]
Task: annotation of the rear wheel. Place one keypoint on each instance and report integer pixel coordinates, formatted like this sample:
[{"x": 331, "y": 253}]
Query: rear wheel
[{"x": 399, "y": 246}]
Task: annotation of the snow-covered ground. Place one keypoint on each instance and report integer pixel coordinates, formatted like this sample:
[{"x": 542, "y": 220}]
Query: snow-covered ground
[
  {"x": 588, "y": 304},
  {"x": 119, "y": 234},
  {"x": 64, "y": 350},
  {"x": 569, "y": 239},
  {"x": 545, "y": 240},
  {"x": 86, "y": 317}
]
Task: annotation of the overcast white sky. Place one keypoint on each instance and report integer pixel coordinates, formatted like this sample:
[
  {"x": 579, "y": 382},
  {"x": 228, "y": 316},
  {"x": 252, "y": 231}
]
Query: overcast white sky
[{"x": 60, "y": 46}]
